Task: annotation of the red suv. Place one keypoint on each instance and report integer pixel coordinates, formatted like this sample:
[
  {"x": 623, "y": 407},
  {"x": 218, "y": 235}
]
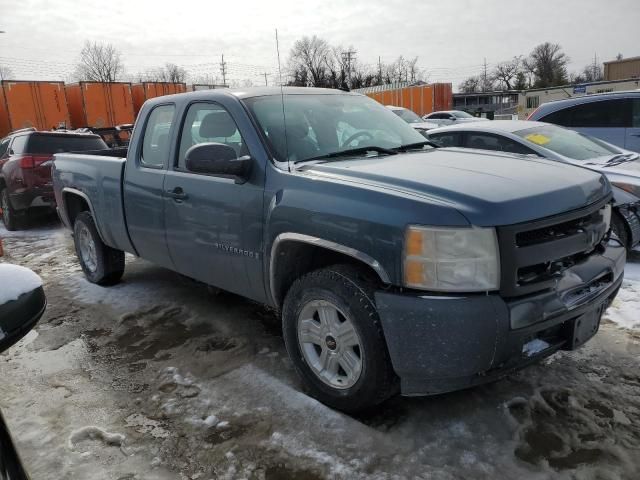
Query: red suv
[{"x": 25, "y": 168}]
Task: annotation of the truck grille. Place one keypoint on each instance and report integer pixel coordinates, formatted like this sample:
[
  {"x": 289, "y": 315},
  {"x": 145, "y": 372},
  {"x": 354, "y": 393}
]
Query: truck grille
[{"x": 534, "y": 254}]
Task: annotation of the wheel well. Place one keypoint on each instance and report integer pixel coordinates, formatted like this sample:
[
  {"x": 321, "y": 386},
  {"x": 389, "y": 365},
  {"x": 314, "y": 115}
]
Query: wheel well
[
  {"x": 293, "y": 259},
  {"x": 75, "y": 204}
]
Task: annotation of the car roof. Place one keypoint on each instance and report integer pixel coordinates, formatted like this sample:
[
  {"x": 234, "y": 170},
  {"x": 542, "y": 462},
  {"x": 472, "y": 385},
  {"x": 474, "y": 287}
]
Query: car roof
[
  {"x": 244, "y": 93},
  {"x": 447, "y": 111},
  {"x": 497, "y": 126},
  {"x": 595, "y": 97},
  {"x": 53, "y": 133}
]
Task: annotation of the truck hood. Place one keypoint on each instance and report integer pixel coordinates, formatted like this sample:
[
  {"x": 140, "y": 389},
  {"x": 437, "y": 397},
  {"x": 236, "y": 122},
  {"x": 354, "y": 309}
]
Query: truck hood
[{"x": 489, "y": 189}]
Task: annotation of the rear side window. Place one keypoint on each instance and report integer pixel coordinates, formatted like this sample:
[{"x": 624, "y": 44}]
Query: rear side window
[
  {"x": 18, "y": 144},
  {"x": 614, "y": 113},
  {"x": 155, "y": 144},
  {"x": 446, "y": 139},
  {"x": 635, "y": 120},
  {"x": 483, "y": 141},
  {"x": 67, "y": 143}
]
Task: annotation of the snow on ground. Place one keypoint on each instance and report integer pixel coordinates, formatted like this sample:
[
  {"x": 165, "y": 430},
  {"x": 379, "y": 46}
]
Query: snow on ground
[
  {"x": 625, "y": 310},
  {"x": 156, "y": 378},
  {"x": 16, "y": 281}
]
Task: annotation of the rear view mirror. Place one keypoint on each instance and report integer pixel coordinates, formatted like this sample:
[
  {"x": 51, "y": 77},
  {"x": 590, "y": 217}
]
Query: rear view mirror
[
  {"x": 217, "y": 159},
  {"x": 22, "y": 303}
]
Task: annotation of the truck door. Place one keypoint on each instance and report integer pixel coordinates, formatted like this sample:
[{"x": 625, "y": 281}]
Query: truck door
[
  {"x": 214, "y": 225},
  {"x": 143, "y": 186}
]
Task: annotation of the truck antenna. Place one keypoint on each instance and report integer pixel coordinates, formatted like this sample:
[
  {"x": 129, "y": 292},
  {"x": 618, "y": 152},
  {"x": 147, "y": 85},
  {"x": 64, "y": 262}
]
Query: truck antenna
[{"x": 284, "y": 117}]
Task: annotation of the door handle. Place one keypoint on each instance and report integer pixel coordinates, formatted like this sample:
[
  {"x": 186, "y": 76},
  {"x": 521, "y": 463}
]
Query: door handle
[{"x": 177, "y": 194}]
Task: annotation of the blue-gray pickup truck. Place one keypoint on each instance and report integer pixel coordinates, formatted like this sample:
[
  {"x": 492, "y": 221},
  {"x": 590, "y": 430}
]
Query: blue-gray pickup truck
[{"x": 395, "y": 266}]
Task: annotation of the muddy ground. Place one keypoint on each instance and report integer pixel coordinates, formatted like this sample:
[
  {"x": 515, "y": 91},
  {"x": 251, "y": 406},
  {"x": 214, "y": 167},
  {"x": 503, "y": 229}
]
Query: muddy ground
[{"x": 159, "y": 378}]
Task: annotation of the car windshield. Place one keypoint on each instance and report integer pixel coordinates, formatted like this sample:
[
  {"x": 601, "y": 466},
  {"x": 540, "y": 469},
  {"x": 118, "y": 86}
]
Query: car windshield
[
  {"x": 407, "y": 115},
  {"x": 322, "y": 125},
  {"x": 568, "y": 143},
  {"x": 459, "y": 114}
]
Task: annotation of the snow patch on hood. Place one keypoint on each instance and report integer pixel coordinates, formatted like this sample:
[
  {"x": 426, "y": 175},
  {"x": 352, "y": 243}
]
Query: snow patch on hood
[{"x": 16, "y": 281}]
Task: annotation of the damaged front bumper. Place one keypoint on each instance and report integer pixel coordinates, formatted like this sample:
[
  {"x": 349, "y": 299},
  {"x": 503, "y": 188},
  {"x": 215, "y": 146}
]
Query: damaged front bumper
[{"x": 441, "y": 343}]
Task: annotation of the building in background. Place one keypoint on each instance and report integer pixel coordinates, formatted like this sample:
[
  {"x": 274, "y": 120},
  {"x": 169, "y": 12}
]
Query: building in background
[
  {"x": 492, "y": 105},
  {"x": 623, "y": 69}
]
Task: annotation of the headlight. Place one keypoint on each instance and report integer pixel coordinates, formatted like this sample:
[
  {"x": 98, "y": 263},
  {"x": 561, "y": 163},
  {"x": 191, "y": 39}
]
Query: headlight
[{"x": 451, "y": 259}]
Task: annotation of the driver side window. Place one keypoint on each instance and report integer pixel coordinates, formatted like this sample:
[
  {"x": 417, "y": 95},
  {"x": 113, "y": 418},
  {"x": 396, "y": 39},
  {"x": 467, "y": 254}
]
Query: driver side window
[{"x": 209, "y": 123}]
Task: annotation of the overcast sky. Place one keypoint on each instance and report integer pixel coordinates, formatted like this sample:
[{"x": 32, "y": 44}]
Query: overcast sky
[{"x": 43, "y": 38}]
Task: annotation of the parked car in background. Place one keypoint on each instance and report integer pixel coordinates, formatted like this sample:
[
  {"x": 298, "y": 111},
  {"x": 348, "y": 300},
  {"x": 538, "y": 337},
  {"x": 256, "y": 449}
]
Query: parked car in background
[
  {"x": 612, "y": 117},
  {"x": 622, "y": 167},
  {"x": 413, "y": 119},
  {"x": 450, "y": 117},
  {"x": 396, "y": 267},
  {"x": 25, "y": 168},
  {"x": 22, "y": 303}
]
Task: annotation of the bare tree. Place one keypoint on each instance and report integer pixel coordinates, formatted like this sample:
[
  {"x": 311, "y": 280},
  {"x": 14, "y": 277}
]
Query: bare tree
[
  {"x": 310, "y": 54},
  {"x": 99, "y": 62},
  {"x": 548, "y": 64},
  {"x": 470, "y": 84},
  {"x": 506, "y": 72},
  {"x": 5, "y": 72},
  {"x": 174, "y": 74}
]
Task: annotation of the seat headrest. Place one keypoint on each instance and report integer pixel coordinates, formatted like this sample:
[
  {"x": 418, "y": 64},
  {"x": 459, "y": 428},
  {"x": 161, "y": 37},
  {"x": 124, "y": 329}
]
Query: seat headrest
[{"x": 217, "y": 124}]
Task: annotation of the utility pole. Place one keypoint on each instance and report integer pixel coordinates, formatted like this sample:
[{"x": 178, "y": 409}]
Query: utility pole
[
  {"x": 484, "y": 83},
  {"x": 223, "y": 70},
  {"x": 380, "y": 70},
  {"x": 266, "y": 83},
  {"x": 347, "y": 57}
]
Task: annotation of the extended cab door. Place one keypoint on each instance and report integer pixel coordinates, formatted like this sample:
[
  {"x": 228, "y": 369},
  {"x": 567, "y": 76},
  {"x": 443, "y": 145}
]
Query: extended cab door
[
  {"x": 214, "y": 225},
  {"x": 144, "y": 185}
]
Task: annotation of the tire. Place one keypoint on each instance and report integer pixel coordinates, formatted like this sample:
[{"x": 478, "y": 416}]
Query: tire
[
  {"x": 100, "y": 263},
  {"x": 10, "y": 217},
  {"x": 346, "y": 290},
  {"x": 619, "y": 227}
]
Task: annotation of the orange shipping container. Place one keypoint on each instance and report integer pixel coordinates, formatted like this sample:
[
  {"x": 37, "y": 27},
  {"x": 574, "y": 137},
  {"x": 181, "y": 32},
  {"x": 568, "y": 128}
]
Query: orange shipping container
[
  {"x": 41, "y": 105},
  {"x": 422, "y": 99},
  {"x": 142, "y": 92},
  {"x": 97, "y": 104}
]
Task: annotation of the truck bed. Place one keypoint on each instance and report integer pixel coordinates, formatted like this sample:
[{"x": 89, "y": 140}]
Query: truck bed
[{"x": 98, "y": 177}]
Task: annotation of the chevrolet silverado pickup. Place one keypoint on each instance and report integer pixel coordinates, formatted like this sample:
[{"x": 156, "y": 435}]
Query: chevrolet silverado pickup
[{"x": 395, "y": 266}]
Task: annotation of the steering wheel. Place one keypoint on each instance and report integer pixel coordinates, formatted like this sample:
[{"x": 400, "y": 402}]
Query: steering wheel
[{"x": 357, "y": 135}]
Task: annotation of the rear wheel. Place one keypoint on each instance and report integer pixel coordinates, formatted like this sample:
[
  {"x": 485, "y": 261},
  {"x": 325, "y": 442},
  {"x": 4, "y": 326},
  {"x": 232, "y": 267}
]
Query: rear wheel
[
  {"x": 334, "y": 338},
  {"x": 10, "y": 217},
  {"x": 101, "y": 264},
  {"x": 619, "y": 227}
]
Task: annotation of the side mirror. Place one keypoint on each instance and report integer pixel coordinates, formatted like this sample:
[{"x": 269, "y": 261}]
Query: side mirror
[
  {"x": 22, "y": 303},
  {"x": 453, "y": 119},
  {"x": 218, "y": 159}
]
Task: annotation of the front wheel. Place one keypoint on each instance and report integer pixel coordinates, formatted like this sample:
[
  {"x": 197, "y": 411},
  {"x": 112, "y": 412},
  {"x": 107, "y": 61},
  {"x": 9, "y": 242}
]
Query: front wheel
[
  {"x": 101, "y": 264},
  {"x": 334, "y": 338}
]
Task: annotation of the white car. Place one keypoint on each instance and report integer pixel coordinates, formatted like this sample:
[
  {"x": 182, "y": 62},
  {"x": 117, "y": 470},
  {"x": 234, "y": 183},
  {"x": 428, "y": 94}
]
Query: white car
[
  {"x": 413, "y": 119},
  {"x": 451, "y": 117},
  {"x": 622, "y": 167}
]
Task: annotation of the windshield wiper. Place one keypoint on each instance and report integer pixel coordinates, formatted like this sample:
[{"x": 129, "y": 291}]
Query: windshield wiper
[
  {"x": 618, "y": 159},
  {"x": 410, "y": 146},
  {"x": 352, "y": 151}
]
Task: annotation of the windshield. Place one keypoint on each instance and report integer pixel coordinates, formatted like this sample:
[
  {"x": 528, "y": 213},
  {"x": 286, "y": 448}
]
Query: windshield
[
  {"x": 319, "y": 125},
  {"x": 407, "y": 115},
  {"x": 568, "y": 143},
  {"x": 459, "y": 114}
]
